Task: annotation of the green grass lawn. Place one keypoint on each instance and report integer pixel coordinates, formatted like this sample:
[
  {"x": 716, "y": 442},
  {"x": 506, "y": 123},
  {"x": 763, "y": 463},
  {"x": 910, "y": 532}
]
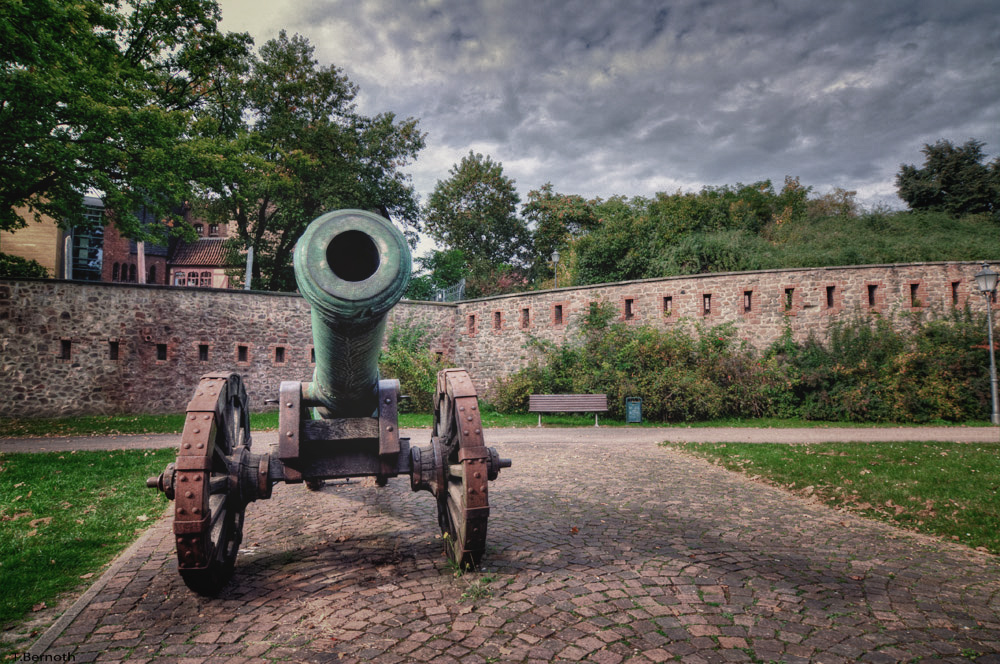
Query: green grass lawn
[
  {"x": 104, "y": 425},
  {"x": 63, "y": 517},
  {"x": 944, "y": 489}
]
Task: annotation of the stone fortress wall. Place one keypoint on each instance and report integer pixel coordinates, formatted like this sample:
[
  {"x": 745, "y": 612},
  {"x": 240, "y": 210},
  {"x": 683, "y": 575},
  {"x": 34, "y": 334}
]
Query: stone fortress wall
[{"x": 79, "y": 348}]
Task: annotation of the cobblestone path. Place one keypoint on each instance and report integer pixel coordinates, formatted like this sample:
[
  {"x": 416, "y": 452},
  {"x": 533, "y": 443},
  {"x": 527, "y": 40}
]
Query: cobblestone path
[{"x": 608, "y": 552}]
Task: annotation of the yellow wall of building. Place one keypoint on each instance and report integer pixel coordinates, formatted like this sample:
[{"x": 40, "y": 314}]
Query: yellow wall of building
[{"x": 40, "y": 241}]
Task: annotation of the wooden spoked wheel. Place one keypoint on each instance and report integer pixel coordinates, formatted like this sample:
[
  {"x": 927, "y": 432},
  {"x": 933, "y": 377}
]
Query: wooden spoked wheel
[
  {"x": 209, "y": 508},
  {"x": 463, "y": 505}
]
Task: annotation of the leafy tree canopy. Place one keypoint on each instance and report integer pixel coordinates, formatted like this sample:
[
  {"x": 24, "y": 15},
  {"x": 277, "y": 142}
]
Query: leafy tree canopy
[
  {"x": 475, "y": 211},
  {"x": 555, "y": 219},
  {"x": 953, "y": 180},
  {"x": 100, "y": 95},
  {"x": 288, "y": 145}
]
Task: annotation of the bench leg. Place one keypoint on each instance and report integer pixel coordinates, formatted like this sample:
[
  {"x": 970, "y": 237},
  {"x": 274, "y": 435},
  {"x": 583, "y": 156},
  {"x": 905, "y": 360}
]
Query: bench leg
[
  {"x": 595, "y": 419},
  {"x": 539, "y": 420}
]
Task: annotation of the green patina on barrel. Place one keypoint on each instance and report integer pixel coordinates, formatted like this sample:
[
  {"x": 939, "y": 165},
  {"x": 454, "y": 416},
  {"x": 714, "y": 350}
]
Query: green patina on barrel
[{"x": 352, "y": 267}]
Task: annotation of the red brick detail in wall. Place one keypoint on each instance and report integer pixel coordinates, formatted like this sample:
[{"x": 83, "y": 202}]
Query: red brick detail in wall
[
  {"x": 915, "y": 295},
  {"x": 629, "y": 308},
  {"x": 790, "y": 298},
  {"x": 668, "y": 306},
  {"x": 242, "y": 354},
  {"x": 708, "y": 305},
  {"x": 560, "y": 312},
  {"x": 873, "y": 297},
  {"x": 748, "y": 305},
  {"x": 831, "y": 298},
  {"x": 279, "y": 354}
]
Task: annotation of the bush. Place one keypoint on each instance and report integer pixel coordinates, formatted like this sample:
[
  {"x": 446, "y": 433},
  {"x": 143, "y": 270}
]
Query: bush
[
  {"x": 15, "y": 267},
  {"x": 407, "y": 357},
  {"x": 870, "y": 370}
]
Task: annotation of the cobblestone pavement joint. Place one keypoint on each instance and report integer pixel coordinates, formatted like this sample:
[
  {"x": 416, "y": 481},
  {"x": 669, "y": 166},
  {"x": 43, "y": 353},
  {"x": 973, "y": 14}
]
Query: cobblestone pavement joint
[{"x": 605, "y": 550}]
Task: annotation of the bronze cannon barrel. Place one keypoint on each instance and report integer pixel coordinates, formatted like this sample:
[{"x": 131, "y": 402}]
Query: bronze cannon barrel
[{"x": 352, "y": 267}]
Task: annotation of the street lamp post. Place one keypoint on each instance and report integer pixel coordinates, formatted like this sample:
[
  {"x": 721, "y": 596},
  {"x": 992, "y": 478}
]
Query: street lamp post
[
  {"x": 555, "y": 265},
  {"x": 986, "y": 282}
]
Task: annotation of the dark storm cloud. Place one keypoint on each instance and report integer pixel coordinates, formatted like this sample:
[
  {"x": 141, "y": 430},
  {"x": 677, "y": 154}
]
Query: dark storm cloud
[{"x": 634, "y": 97}]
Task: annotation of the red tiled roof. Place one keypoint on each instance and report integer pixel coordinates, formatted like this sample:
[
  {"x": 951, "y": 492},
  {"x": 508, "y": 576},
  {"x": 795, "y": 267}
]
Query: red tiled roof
[{"x": 207, "y": 252}]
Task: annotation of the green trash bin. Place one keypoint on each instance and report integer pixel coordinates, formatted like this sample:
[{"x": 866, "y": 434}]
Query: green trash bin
[{"x": 633, "y": 410}]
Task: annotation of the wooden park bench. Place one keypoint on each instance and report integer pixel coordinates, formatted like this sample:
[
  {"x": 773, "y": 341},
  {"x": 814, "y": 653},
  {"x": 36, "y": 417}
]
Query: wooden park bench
[{"x": 567, "y": 403}]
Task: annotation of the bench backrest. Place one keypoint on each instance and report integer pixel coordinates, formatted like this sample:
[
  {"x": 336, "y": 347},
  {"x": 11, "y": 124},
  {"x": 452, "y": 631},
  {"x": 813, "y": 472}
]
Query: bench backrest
[{"x": 567, "y": 403}]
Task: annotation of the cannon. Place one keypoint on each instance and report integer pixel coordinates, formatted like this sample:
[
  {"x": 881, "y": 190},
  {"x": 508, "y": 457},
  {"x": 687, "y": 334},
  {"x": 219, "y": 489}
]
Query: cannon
[{"x": 352, "y": 267}]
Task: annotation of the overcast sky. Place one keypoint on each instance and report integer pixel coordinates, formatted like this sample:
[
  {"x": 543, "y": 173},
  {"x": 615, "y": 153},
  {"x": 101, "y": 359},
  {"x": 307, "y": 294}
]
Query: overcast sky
[{"x": 634, "y": 97}]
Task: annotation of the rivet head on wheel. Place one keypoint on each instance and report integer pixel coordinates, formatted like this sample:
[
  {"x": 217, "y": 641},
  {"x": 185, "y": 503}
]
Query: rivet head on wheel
[
  {"x": 197, "y": 430},
  {"x": 478, "y": 475},
  {"x": 187, "y": 446},
  {"x": 289, "y": 434},
  {"x": 197, "y": 510},
  {"x": 205, "y": 418},
  {"x": 389, "y": 428},
  {"x": 189, "y": 494},
  {"x": 181, "y": 510},
  {"x": 201, "y": 446},
  {"x": 289, "y": 404}
]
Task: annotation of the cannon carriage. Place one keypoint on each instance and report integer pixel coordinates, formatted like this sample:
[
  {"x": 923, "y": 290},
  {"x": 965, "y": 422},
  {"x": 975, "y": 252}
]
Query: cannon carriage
[{"x": 352, "y": 267}]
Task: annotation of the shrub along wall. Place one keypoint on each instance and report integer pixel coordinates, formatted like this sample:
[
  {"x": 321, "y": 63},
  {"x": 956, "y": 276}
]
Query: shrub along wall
[{"x": 76, "y": 348}]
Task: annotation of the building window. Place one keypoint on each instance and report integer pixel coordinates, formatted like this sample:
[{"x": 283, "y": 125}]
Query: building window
[
  {"x": 131, "y": 273},
  {"x": 668, "y": 305},
  {"x": 151, "y": 277},
  {"x": 180, "y": 279},
  {"x": 242, "y": 354},
  {"x": 113, "y": 350},
  {"x": 199, "y": 229},
  {"x": 557, "y": 314},
  {"x": 872, "y": 291},
  {"x": 213, "y": 230},
  {"x": 203, "y": 352},
  {"x": 706, "y": 304},
  {"x": 915, "y": 300},
  {"x": 312, "y": 355},
  {"x": 471, "y": 324},
  {"x": 279, "y": 354},
  {"x": 497, "y": 320},
  {"x": 747, "y": 301},
  {"x": 955, "y": 292},
  {"x": 206, "y": 280},
  {"x": 525, "y": 318},
  {"x": 65, "y": 349},
  {"x": 830, "y": 296},
  {"x": 114, "y": 272},
  {"x": 161, "y": 352},
  {"x": 789, "y": 298},
  {"x": 87, "y": 247},
  {"x": 629, "y": 308}
]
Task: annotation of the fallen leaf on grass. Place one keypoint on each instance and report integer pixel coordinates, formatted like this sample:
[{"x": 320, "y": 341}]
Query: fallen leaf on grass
[
  {"x": 38, "y": 607},
  {"x": 87, "y": 575}
]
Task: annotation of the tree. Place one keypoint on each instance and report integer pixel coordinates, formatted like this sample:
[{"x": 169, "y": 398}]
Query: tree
[
  {"x": 556, "y": 219},
  {"x": 290, "y": 146},
  {"x": 475, "y": 211},
  {"x": 99, "y": 95},
  {"x": 953, "y": 180},
  {"x": 440, "y": 269}
]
